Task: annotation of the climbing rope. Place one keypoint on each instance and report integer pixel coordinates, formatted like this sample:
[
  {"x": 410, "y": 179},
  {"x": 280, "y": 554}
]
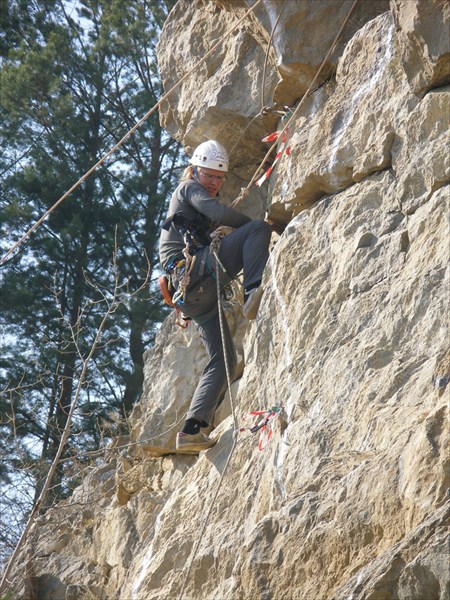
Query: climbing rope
[
  {"x": 127, "y": 135},
  {"x": 216, "y": 238},
  {"x": 266, "y": 60},
  {"x": 214, "y": 247},
  {"x": 245, "y": 191},
  {"x": 206, "y": 519},
  {"x": 265, "y": 110}
]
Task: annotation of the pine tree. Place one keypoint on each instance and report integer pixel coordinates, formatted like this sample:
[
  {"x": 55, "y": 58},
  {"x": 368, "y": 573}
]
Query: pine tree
[{"x": 75, "y": 78}]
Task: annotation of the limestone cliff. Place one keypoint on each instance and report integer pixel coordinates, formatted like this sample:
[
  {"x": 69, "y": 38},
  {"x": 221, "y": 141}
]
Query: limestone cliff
[{"x": 348, "y": 498}]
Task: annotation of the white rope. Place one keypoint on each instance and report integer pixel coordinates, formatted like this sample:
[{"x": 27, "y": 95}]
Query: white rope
[{"x": 215, "y": 251}]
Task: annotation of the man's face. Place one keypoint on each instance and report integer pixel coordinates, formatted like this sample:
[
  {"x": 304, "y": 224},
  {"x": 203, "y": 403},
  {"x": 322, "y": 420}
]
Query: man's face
[{"x": 210, "y": 179}]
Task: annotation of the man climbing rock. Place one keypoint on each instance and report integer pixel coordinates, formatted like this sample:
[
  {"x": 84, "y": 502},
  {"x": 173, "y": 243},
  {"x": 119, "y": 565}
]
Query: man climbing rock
[{"x": 186, "y": 256}]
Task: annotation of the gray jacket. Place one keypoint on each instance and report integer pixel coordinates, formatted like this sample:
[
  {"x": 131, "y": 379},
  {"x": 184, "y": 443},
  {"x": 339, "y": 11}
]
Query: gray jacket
[{"x": 190, "y": 198}]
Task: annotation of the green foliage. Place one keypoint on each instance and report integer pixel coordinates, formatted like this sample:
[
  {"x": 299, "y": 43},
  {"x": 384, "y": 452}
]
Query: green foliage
[{"x": 72, "y": 84}]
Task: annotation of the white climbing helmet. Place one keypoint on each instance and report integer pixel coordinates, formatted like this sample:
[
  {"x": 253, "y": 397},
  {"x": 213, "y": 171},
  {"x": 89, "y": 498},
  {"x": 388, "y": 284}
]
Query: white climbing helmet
[{"x": 211, "y": 155}]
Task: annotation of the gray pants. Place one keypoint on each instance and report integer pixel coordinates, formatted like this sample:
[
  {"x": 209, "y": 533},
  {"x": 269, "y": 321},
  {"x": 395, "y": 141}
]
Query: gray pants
[{"x": 245, "y": 249}]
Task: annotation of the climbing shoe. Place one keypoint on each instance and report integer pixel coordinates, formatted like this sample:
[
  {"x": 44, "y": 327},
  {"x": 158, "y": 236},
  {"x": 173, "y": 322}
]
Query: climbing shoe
[
  {"x": 193, "y": 444},
  {"x": 252, "y": 302}
]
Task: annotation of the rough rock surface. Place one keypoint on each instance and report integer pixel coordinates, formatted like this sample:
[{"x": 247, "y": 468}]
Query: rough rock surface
[
  {"x": 348, "y": 497},
  {"x": 423, "y": 29},
  {"x": 224, "y": 96}
]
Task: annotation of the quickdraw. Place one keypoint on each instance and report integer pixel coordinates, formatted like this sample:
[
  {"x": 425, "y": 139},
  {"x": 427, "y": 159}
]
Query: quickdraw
[
  {"x": 284, "y": 148},
  {"x": 184, "y": 268},
  {"x": 181, "y": 269},
  {"x": 264, "y": 425}
]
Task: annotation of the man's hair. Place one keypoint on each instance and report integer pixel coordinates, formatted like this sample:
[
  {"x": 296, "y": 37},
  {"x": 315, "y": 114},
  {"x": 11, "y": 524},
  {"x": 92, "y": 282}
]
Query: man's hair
[{"x": 188, "y": 173}]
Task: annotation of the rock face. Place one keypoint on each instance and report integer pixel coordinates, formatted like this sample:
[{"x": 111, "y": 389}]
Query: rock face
[{"x": 348, "y": 497}]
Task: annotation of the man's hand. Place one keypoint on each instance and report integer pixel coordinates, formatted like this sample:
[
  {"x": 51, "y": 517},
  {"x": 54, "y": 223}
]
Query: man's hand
[{"x": 221, "y": 231}]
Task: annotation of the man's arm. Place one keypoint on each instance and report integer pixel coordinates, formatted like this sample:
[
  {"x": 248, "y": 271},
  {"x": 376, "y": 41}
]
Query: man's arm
[{"x": 217, "y": 212}]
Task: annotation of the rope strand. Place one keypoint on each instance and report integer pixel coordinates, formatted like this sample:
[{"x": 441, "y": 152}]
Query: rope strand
[
  {"x": 206, "y": 519},
  {"x": 215, "y": 251},
  {"x": 263, "y": 82},
  {"x": 264, "y": 109}
]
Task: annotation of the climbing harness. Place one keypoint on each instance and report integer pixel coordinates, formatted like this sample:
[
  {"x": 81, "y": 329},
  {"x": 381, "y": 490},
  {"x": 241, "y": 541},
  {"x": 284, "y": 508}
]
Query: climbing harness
[
  {"x": 264, "y": 424},
  {"x": 196, "y": 237},
  {"x": 175, "y": 282}
]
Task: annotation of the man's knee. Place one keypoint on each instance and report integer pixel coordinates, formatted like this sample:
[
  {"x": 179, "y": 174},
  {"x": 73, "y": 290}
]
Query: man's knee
[
  {"x": 263, "y": 228},
  {"x": 261, "y": 224}
]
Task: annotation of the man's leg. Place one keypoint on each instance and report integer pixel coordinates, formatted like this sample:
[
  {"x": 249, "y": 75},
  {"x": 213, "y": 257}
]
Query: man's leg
[
  {"x": 247, "y": 248},
  {"x": 210, "y": 389},
  {"x": 212, "y": 384}
]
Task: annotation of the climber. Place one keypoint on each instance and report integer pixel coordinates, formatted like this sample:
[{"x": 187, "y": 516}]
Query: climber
[{"x": 187, "y": 258}]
